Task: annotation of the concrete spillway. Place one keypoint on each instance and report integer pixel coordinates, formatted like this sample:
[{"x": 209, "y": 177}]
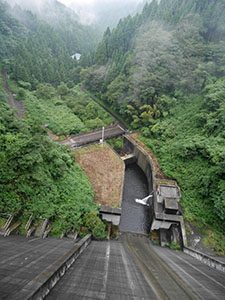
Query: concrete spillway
[
  {"x": 105, "y": 271},
  {"x": 135, "y": 217},
  {"x": 132, "y": 268}
]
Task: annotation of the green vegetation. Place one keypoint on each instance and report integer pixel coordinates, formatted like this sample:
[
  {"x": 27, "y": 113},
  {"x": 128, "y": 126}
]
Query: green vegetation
[
  {"x": 54, "y": 114},
  {"x": 94, "y": 225},
  {"x": 174, "y": 246},
  {"x": 65, "y": 111},
  {"x": 92, "y": 114},
  {"x": 2, "y": 222},
  {"x": 188, "y": 152},
  {"x": 3, "y": 96},
  {"x": 39, "y": 177},
  {"x": 116, "y": 143}
]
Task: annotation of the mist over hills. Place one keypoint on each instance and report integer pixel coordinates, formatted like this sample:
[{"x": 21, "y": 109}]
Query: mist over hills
[
  {"x": 51, "y": 11},
  {"x": 38, "y": 46},
  {"x": 106, "y": 13},
  {"x": 100, "y": 13}
]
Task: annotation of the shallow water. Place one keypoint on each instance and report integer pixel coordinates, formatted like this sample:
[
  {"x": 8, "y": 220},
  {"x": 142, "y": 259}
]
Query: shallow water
[{"x": 135, "y": 217}]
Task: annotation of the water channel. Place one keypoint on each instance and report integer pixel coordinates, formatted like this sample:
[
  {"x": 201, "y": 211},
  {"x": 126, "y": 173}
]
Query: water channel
[{"x": 135, "y": 217}]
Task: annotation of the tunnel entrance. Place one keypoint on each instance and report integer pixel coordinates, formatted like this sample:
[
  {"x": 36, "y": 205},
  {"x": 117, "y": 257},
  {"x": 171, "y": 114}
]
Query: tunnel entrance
[{"x": 135, "y": 217}]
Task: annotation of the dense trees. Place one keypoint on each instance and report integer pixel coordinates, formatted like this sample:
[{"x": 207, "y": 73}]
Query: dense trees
[
  {"x": 39, "y": 49},
  {"x": 39, "y": 177},
  {"x": 64, "y": 111},
  {"x": 169, "y": 47}
]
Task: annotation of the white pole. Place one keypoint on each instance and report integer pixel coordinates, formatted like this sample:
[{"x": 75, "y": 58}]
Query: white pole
[{"x": 103, "y": 134}]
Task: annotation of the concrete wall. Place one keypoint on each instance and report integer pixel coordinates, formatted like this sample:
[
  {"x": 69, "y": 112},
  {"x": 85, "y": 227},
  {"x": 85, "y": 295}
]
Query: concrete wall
[
  {"x": 142, "y": 160},
  {"x": 145, "y": 163},
  {"x": 210, "y": 261}
]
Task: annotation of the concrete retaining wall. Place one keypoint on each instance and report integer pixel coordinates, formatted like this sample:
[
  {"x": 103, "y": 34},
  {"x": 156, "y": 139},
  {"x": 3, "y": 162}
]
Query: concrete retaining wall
[
  {"x": 40, "y": 287},
  {"x": 210, "y": 261},
  {"x": 142, "y": 160},
  {"x": 145, "y": 163}
]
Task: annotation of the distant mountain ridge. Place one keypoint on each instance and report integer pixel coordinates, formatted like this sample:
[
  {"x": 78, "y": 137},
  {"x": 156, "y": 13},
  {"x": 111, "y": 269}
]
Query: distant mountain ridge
[
  {"x": 39, "y": 49},
  {"x": 106, "y": 13}
]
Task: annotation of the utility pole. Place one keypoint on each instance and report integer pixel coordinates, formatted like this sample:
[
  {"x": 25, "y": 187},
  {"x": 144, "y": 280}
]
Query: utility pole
[{"x": 103, "y": 135}]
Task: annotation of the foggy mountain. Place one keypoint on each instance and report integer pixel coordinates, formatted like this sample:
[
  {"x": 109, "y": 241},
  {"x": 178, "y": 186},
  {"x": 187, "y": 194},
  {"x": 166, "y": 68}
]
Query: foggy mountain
[
  {"x": 104, "y": 13},
  {"x": 51, "y": 11},
  {"x": 98, "y": 13}
]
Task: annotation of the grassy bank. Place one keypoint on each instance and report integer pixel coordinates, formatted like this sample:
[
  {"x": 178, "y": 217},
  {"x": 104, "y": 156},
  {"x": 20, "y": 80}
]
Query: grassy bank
[{"x": 71, "y": 113}]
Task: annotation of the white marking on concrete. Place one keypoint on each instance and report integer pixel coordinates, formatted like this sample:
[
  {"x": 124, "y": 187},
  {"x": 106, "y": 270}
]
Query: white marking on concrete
[
  {"x": 106, "y": 269},
  {"x": 201, "y": 272},
  {"x": 144, "y": 200},
  {"x": 129, "y": 276},
  {"x": 176, "y": 266}
]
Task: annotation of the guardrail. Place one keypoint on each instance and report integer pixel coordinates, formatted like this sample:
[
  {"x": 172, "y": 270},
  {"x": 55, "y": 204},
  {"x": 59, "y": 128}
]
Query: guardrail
[
  {"x": 39, "y": 287},
  {"x": 206, "y": 259}
]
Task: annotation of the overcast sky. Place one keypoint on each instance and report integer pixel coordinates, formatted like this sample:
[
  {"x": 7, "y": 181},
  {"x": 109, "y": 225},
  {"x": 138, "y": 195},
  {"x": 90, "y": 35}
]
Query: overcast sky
[{"x": 91, "y": 2}]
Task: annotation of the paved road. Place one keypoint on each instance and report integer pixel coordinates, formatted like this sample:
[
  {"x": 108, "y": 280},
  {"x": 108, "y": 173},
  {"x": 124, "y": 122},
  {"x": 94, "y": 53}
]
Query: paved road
[
  {"x": 95, "y": 136},
  {"x": 21, "y": 260},
  {"x": 132, "y": 268}
]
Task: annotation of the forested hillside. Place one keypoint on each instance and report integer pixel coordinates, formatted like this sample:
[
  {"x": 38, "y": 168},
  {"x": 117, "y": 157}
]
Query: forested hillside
[
  {"x": 164, "y": 72},
  {"x": 35, "y": 50},
  {"x": 37, "y": 176}
]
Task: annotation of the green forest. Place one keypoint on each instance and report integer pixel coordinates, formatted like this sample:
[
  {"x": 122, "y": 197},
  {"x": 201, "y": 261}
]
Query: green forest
[{"x": 162, "y": 71}]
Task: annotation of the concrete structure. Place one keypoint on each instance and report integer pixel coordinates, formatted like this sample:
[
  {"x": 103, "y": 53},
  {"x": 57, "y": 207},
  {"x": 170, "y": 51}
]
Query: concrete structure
[
  {"x": 110, "y": 214},
  {"x": 6, "y": 226},
  {"x": 132, "y": 268},
  {"x": 165, "y": 216},
  {"x": 206, "y": 259},
  {"x": 135, "y": 217},
  {"x": 93, "y": 137},
  {"x": 29, "y": 268}
]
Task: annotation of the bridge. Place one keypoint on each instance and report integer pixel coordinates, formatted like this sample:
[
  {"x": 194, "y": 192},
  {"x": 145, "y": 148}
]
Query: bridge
[{"x": 80, "y": 140}]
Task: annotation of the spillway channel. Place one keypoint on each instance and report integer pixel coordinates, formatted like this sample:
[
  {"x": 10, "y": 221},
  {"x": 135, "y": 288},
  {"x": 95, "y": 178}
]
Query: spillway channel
[{"x": 135, "y": 217}]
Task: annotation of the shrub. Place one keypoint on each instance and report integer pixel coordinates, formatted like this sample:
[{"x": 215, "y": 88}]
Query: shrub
[{"x": 95, "y": 225}]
